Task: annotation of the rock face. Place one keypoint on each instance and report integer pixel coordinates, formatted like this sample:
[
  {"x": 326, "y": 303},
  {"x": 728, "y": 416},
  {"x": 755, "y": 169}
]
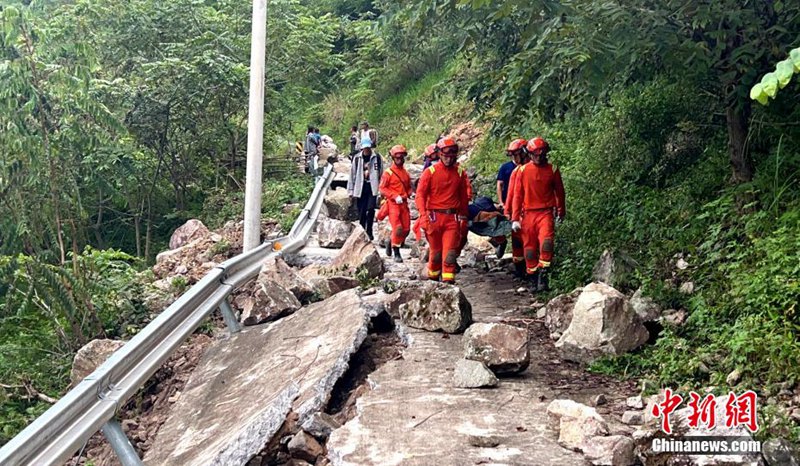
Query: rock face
[
  {"x": 644, "y": 307},
  {"x": 188, "y": 232},
  {"x": 577, "y": 423},
  {"x": 276, "y": 270},
  {"x": 269, "y": 302},
  {"x": 332, "y": 233},
  {"x": 91, "y": 356},
  {"x": 614, "y": 450},
  {"x": 558, "y": 312},
  {"x": 679, "y": 422},
  {"x": 337, "y": 205},
  {"x": 432, "y": 306},
  {"x": 613, "y": 268},
  {"x": 473, "y": 374},
  {"x": 603, "y": 323},
  {"x": 357, "y": 253},
  {"x": 503, "y": 348}
]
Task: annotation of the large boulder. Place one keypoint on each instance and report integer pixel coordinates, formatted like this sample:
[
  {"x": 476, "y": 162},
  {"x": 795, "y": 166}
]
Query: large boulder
[
  {"x": 431, "y": 306},
  {"x": 332, "y": 233},
  {"x": 188, "y": 232},
  {"x": 337, "y": 205},
  {"x": 276, "y": 270},
  {"x": 679, "y": 423},
  {"x": 91, "y": 356},
  {"x": 326, "y": 286},
  {"x": 614, "y": 268},
  {"x": 780, "y": 452},
  {"x": 503, "y": 348},
  {"x": 269, "y": 301},
  {"x": 577, "y": 423},
  {"x": 558, "y": 312},
  {"x": 357, "y": 253},
  {"x": 603, "y": 323}
]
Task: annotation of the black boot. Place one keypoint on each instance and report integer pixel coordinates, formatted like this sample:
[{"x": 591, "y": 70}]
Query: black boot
[
  {"x": 500, "y": 250},
  {"x": 543, "y": 283},
  {"x": 397, "y": 257},
  {"x": 533, "y": 281},
  {"x": 388, "y": 248},
  {"x": 519, "y": 269}
]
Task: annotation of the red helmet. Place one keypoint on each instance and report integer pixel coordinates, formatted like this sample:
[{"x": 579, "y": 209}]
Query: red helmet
[
  {"x": 431, "y": 150},
  {"x": 516, "y": 144},
  {"x": 397, "y": 150},
  {"x": 446, "y": 143},
  {"x": 538, "y": 144}
]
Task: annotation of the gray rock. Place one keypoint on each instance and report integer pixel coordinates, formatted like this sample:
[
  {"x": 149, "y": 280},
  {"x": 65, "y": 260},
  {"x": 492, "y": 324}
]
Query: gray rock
[
  {"x": 635, "y": 402},
  {"x": 503, "y": 348},
  {"x": 473, "y": 374},
  {"x": 613, "y": 450},
  {"x": 276, "y": 270},
  {"x": 600, "y": 400},
  {"x": 320, "y": 425},
  {"x": 779, "y": 452},
  {"x": 577, "y": 423},
  {"x": 613, "y": 268},
  {"x": 337, "y": 205},
  {"x": 188, "y": 232},
  {"x": 558, "y": 312},
  {"x": 645, "y": 307},
  {"x": 305, "y": 447},
  {"x": 269, "y": 302},
  {"x": 431, "y": 306},
  {"x": 733, "y": 378},
  {"x": 674, "y": 318},
  {"x": 635, "y": 418},
  {"x": 91, "y": 356},
  {"x": 687, "y": 288},
  {"x": 329, "y": 286},
  {"x": 332, "y": 233},
  {"x": 603, "y": 323},
  {"x": 485, "y": 441},
  {"x": 357, "y": 253}
]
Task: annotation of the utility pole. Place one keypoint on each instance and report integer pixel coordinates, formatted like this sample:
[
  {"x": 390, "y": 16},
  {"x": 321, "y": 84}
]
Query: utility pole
[{"x": 255, "y": 128}]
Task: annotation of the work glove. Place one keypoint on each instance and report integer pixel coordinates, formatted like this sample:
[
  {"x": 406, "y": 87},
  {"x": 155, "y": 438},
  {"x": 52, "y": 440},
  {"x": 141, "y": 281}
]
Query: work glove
[
  {"x": 516, "y": 226},
  {"x": 398, "y": 199},
  {"x": 559, "y": 219}
]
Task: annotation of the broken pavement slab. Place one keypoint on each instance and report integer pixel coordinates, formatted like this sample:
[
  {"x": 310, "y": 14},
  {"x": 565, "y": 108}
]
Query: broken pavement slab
[
  {"x": 414, "y": 416},
  {"x": 241, "y": 392}
]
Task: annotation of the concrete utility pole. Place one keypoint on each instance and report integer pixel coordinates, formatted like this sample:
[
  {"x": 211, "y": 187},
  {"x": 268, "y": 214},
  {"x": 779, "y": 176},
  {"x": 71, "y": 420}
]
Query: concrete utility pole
[{"x": 255, "y": 128}]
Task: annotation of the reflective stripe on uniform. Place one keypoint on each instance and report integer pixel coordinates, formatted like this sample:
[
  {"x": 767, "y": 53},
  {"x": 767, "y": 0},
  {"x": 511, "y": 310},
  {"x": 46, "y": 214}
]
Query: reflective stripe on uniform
[
  {"x": 434, "y": 273},
  {"x": 448, "y": 276},
  {"x": 432, "y": 170},
  {"x": 544, "y": 263}
]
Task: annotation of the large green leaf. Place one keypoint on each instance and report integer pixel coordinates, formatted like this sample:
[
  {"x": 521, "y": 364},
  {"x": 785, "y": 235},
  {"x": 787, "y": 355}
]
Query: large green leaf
[
  {"x": 770, "y": 84},
  {"x": 784, "y": 72},
  {"x": 757, "y": 93}
]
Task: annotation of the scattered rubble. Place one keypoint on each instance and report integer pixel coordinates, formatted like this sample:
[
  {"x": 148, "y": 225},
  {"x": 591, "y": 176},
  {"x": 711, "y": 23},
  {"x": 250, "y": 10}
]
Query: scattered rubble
[
  {"x": 577, "y": 423},
  {"x": 191, "y": 230},
  {"x": 503, "y": 348},
  {"x": 276, "y": 270},
  {"x": 305, "y": 447},
  {"x": 779, "y": 452},
  {"x": 613, "y": 450}
]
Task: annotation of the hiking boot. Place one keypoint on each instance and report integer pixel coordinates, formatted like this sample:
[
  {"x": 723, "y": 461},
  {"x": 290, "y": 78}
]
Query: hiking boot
[
  {"x": 533, "y": 281},
  {"x": 500, "y": 249},
  {"x": 388, "y": 249},
  {"x": 519, "y": 269},
  {"x": 397, "y": 257},
  {"x": 458, "y": 268},
  {"x": 543, "y": 283}
]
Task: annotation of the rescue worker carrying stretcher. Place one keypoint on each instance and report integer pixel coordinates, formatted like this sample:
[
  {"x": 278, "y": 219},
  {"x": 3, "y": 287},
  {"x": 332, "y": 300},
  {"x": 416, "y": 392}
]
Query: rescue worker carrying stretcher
[
  {"x": 442, "y": 201},
  {"x": 538, "y": 195},
  {"x": 396, "y": 189},
  {"x": 519, "y": 156}
]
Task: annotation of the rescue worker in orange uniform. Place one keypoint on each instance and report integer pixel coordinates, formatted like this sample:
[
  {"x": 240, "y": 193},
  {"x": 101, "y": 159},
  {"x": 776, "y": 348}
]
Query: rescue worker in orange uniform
[
  {"x": 538, "y": 197},
  {"x": 442, "y": 201},
  {"x": 519, "y": 155},
  {"x": 396, "y": 189}
]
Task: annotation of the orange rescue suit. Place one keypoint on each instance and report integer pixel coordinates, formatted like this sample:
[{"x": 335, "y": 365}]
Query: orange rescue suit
[
  {"x": 442, "y": 200},
  {"x": 508, "y": 202},
  {"x": 397, "y": 182},
  {"x": 538, "y": 193}
]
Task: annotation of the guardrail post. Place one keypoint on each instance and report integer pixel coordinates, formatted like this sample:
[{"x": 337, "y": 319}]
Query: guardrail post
[
  {"x": 229, "y": 316},
  {"x": 120, "y": 443}
]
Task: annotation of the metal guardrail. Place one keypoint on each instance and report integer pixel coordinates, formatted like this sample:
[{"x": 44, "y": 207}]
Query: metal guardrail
[{"x": 60, "y": 432}]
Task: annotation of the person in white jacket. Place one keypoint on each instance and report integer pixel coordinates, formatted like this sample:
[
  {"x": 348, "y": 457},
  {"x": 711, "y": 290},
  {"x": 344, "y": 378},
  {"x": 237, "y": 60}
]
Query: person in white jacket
[{"x": 363, "y": 185}]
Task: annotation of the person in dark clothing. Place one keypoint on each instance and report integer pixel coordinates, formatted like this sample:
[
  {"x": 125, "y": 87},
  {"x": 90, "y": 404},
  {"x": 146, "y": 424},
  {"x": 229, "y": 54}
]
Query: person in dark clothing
[{"x": 353, "y": 140}]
